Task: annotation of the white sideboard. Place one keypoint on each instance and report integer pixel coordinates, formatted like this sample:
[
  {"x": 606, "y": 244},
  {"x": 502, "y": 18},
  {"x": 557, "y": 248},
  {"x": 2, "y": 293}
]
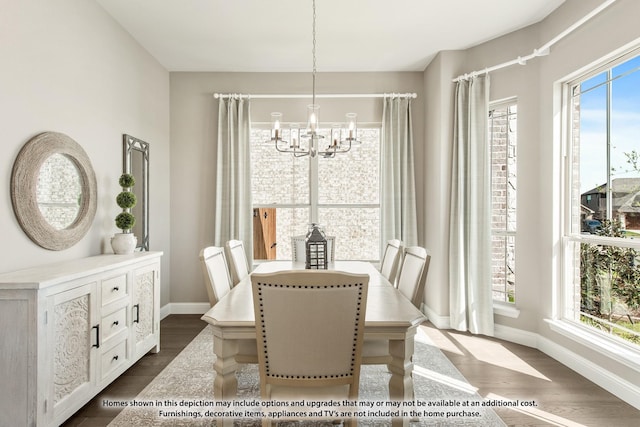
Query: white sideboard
[{"x": 69, "y": 329}]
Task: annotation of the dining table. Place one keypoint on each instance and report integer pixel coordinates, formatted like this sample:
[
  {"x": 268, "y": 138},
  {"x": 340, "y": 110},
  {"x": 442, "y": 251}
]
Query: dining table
[{"x": 391, "y": 323}]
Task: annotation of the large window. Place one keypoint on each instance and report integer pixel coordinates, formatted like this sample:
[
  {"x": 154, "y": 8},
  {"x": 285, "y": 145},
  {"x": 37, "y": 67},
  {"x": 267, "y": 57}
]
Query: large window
[
  {"x": 503, "y": 142},
  {"x": 340, "y": 193},
  {"x": 602, "y": 245}
]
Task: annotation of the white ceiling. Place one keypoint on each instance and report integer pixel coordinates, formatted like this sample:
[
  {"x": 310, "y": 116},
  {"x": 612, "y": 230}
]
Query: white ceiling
[{"x": 351, "y": 35}]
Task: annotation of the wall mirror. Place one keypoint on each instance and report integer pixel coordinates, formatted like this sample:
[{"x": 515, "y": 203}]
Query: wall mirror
[
  {"x": 53, "y": 190},
  {"x": 136, "y": 162}
]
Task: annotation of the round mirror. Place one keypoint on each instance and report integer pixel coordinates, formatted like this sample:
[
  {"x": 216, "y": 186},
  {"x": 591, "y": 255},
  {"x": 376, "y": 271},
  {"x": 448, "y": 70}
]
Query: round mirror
[{"x": 53, "y": 190}]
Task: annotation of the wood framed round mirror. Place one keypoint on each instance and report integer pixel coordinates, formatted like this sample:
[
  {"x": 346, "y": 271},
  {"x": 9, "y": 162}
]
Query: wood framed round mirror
[{"x": 53, "y": 190}]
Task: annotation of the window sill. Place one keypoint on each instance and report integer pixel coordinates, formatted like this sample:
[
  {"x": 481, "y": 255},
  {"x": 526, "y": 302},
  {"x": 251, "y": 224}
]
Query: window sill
[
  {"x": 506, "y": 309},
  {"x": 609, "y": 347}
]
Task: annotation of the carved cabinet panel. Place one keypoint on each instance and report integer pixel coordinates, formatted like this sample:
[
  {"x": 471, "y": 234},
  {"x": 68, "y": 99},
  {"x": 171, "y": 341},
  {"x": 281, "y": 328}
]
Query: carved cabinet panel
[
  {"x": 74, "y": 333},
  {"x": 146, "y": 322}
]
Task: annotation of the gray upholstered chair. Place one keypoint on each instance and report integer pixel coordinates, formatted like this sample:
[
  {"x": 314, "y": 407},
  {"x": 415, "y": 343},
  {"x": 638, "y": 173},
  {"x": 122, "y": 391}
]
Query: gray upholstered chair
[
  {"x": 216, "y": 274},
  {"x": 299, "y": 251},
  {"x": 391, "y": 260},
  {"x": 309, "y": 328},
  {"x": 413, "y": 274},
  {"x": 238, "y": 264}
]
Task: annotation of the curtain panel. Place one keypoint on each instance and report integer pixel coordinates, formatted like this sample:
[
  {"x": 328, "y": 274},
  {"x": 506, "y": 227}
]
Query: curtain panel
[
  {"x": 471, "y": 301},
  {"x": 233, "y": 214},
  {"x": 398, "y": 194}
]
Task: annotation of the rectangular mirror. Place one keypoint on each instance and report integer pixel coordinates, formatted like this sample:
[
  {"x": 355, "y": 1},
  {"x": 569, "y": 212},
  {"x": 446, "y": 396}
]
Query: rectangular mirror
[{"x": 136, "y": 163}]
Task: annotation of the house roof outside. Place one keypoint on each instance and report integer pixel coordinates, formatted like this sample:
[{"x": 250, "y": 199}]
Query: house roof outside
[
  {"x": 626, "y": 194},
  {"x": 620, "y": 185},
  {"x": 586, "y": 210},
  {"x": 631, "y": 204}
]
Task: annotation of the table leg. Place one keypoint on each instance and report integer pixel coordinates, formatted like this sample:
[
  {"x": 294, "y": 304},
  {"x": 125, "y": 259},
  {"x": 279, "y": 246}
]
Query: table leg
[
  {"x": 401, "y": 368},
  {"x": 225, "y": 384}
]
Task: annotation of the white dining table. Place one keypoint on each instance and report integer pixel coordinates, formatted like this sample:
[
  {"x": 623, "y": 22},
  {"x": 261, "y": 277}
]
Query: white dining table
[{"x": 391, "y": 323}]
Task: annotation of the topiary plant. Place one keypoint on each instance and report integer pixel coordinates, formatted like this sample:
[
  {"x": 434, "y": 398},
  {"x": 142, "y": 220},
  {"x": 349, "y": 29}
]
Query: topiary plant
[{"x": 126, "y": 200}]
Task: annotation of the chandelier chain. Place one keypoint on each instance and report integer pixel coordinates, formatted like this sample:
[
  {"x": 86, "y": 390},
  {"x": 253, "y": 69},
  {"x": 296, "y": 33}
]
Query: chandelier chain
[{"x": 314, "y": 54}]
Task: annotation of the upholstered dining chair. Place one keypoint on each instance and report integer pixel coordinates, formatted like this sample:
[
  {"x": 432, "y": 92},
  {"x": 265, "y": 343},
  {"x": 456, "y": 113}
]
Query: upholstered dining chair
[
  {"x": 309, "y": 329},
  {"x": 299, "y": 250},
  {"x": 413, "y": 273},
  {"x": 216, "y": 274},
  {"x": 238, "y": 264},
  {"x": 391, "y": 260}
]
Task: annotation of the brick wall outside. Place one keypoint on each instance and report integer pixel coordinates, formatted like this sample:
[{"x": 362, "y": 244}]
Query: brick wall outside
[
  {"x": 350, "y": 178},
  {"x": 503, "y": 140}
]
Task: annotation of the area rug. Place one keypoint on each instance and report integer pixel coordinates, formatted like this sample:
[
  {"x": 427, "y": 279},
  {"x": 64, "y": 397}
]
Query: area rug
[{"x": 182, "y": 394}]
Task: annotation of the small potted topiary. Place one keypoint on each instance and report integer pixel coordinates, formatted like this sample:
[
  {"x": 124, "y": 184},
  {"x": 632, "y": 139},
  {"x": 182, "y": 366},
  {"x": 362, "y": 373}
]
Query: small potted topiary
[{"x": 125, "y": 242}]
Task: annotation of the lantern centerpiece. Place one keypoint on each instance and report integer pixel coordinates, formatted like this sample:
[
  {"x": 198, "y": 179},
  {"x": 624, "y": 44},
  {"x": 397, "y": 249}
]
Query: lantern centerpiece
[{"x": 316, "y": 248}]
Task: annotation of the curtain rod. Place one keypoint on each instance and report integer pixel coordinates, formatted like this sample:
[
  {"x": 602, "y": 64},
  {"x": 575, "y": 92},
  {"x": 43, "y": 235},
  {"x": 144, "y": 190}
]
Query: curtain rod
[
  {"x": 294, "y": 96},
  {"x": 544, "y": 49}
]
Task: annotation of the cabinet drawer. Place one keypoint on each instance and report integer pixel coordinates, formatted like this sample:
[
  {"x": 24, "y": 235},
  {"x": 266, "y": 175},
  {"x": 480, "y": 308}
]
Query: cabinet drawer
[
  {"x": 113, "y": 358},
  {"x": 113, "y": 289},
  {"x": 113, "y": 323}
]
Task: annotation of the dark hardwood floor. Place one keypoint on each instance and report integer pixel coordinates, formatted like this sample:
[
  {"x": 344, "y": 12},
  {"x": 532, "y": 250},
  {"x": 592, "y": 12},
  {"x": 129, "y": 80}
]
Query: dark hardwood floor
[{"x": 499, "y": 369}]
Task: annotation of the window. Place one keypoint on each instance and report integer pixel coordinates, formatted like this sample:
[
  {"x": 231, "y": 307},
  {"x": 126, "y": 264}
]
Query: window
[
  {"x": 503, "y": 143},
  {"x": 341, "y": 194},
  {"x": 602, "y": 245}
]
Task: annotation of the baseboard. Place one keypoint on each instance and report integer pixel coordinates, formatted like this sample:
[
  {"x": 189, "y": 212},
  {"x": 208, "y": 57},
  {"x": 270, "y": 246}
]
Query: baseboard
[
  {"x": 440, "y": 322},
  {"x": 184, "y": 308},
  {"x": 517, "y": 336},
  {"x": 614, "y": 384}
]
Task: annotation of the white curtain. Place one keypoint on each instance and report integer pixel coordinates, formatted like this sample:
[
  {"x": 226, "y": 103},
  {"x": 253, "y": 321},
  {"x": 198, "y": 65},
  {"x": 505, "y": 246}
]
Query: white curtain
[
  {"x": 233, "y": 210},
  {"x": 398, "y": 196},
  {"x": 471, "y": 301}
]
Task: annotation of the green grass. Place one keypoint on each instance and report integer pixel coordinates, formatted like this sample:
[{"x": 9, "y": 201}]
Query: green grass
[{"x": 627, "y": 336}]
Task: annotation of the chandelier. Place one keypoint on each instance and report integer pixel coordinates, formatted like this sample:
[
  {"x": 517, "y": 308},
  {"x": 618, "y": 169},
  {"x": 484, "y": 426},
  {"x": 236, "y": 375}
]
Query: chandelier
[{"x": 309, "y": 141}]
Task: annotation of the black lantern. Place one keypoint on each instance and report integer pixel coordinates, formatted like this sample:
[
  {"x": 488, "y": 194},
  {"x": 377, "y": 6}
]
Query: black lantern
[{"x": 316, "y": 248}]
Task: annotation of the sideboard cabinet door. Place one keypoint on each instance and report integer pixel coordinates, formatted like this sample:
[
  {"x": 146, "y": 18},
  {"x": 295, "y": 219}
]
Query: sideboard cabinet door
[
  {"x": 75, "y": 336},
  {"x": 145, "y": 310}
]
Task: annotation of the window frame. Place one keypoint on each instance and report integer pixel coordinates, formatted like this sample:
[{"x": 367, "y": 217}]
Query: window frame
[
  {"x": 314, "y": 206},
  {"x": 503, "y": 307},
  {"x": 564, "y": 319}
]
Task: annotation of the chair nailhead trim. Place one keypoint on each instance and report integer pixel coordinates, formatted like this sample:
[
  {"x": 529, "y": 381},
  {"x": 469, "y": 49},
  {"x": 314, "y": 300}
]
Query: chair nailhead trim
[{"x": 264, "y": 334}]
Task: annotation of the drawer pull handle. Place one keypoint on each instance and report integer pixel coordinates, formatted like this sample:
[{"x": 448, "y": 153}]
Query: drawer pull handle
[
  {"x": 115, "y": 323},
  {"x": 137, "y": 319},
  {"x": 115, "y": 289},
  {"x": 97, "y": 344},
  {"x": 115, "y": 357}
]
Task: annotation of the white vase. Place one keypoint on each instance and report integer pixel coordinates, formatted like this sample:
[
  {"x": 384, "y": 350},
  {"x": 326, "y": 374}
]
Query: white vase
[{"x": 124, "y": 243}]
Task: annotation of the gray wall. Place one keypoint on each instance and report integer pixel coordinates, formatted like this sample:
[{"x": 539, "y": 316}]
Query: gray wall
[
  {"x": 68, "y": 67},
  {"x": 539, "y": 162},
  {"x": 194, "y": 130}
]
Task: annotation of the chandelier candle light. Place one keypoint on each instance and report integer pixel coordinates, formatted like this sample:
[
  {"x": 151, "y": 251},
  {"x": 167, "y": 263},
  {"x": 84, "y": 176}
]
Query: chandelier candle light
[{"x": 341, "y": 137}]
